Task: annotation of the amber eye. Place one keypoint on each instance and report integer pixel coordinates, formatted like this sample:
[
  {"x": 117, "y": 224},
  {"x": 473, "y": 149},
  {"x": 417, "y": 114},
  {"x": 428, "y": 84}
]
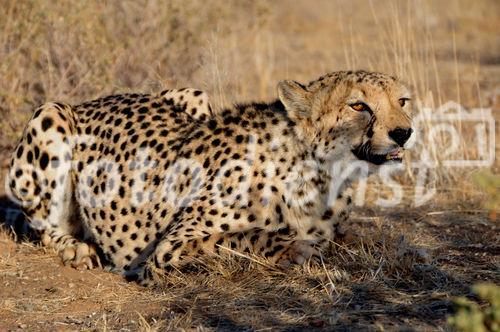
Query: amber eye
[
  {"x": 360, "y": 107},
  {"x": 402, "y": 101}
]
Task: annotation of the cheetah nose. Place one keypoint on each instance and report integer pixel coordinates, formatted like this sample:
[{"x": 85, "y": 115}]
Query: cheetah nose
[{"x": 400, "y": 135}]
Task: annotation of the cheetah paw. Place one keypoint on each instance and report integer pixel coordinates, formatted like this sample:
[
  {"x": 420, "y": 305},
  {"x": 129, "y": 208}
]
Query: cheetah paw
[
  {"x": 81, "y": 256},
  {"x": 298, "y": 253}
]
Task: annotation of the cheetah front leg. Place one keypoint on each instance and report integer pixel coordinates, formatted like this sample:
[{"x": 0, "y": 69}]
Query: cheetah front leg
[
  {"x": 280, "y": 247},
  {"x": 40, "y": 181}
]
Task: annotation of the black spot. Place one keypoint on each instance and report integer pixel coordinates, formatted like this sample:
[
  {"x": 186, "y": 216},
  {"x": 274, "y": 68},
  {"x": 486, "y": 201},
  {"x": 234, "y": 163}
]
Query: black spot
[
  {"x": 20, "y": 151},
  {"x": 47, "y": 123},
  {"x": 37, "y": 152},
  {"x": 239, "y": 139},
  {"x": 206, "y": 163},
  {"x": 254, "y": 238},
  {"x": 44, "y": 161},
  {"x": 212, "y": 124},
  {"x": 284, "y": 231},
  {"x": 327, "y": 215},
  {"x": 121, "y": 192},
  {"x": 29, "y": 157},
  {"x": 199, "y": 149},
  {"x": 37, "y": 113},
  {"x": 160, "y": 147}
]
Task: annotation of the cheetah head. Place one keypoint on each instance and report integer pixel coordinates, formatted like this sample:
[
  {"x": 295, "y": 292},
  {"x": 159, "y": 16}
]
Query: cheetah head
[{"x": 359, "y": 113}]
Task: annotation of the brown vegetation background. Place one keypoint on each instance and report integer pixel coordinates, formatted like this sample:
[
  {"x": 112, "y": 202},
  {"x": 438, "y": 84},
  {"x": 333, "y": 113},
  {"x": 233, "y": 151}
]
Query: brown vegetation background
[{"x": 407, "y": 263}]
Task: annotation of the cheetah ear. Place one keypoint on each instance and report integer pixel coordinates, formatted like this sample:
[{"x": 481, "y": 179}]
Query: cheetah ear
[{"x": 296, "y": 99}]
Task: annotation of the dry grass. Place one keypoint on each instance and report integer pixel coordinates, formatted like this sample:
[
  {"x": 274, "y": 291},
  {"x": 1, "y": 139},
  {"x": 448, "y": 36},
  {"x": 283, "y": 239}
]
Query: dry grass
[{"x": 407, "y": 262}]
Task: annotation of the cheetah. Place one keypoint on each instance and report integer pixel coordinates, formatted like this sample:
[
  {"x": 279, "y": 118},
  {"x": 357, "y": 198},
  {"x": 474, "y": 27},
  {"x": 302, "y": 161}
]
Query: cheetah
[{"x": 153, "y": 189}]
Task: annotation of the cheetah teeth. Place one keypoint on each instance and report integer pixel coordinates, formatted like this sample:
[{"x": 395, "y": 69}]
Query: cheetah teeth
[{"x": 395, "y": 154}]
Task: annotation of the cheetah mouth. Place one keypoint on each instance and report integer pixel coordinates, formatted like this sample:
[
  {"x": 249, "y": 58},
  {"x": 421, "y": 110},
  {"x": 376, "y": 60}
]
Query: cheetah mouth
[{"x": 364, "y": 152}]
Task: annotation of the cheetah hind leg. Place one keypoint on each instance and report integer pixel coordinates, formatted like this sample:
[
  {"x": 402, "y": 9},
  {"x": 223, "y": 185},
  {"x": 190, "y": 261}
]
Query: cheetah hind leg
[
  {"x": 72, "y": 251},
  {"x": 40, "y": 181}
]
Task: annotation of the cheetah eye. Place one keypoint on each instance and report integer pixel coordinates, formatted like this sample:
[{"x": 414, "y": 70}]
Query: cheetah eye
[
  {"x": 402, "y": 101},
  {"x": 360, "y": 107}
]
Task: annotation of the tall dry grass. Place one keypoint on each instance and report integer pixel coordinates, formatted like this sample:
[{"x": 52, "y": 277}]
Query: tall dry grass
[{"x": 238, "y": 50}]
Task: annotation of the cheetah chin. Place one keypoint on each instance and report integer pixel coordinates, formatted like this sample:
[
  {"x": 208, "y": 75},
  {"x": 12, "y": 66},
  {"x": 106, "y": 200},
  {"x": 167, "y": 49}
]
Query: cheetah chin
[{"x": 365, "y": 152}]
